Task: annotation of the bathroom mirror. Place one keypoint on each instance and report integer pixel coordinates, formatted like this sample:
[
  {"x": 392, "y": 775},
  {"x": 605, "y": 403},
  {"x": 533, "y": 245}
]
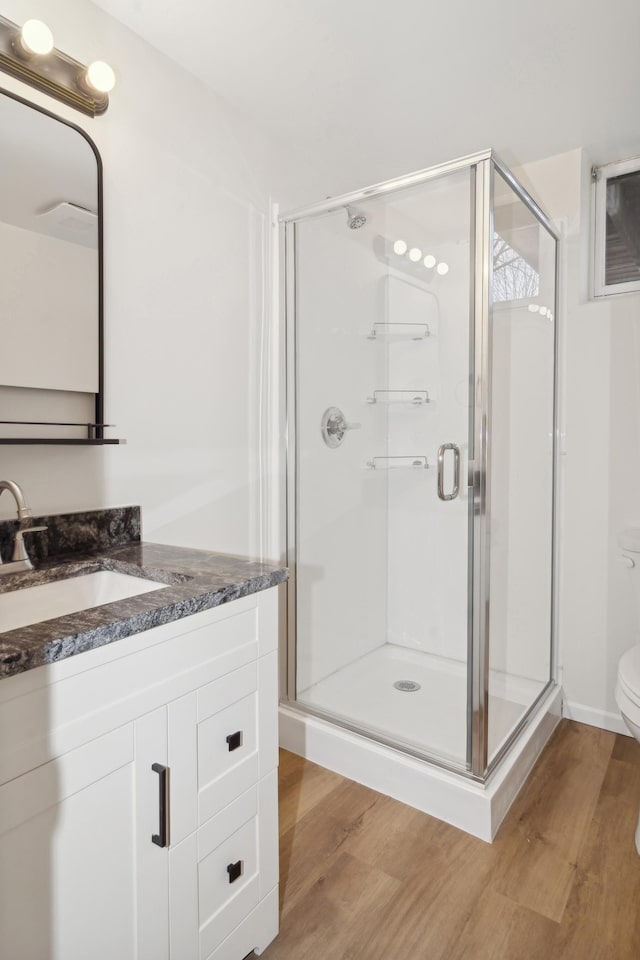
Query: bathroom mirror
[{"x": 50, "y": 252}]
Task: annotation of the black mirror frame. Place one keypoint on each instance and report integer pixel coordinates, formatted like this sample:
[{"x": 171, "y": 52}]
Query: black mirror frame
[{"x": 95, "y": 430}]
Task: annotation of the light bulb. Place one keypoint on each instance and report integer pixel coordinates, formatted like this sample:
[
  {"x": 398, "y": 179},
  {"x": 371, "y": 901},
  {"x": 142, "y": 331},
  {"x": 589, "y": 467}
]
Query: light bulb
[
  {"x": 100, "y": 76},
  {"x": 543, "y": 311},
  {"x": 415, "y": 254},
  {"x": 429, "y": 261},
  {"x": 36, "y": 38},
  {"x": 533, "y": 308},
  {"x": 442, "y": 268},
  {"x": 400, "y": 248}
]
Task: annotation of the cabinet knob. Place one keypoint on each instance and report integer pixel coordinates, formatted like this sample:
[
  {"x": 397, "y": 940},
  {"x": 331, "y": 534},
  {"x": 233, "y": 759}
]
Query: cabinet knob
[
  {"x": 235, "y": 870},
  {"x": 234, "y": 740}
]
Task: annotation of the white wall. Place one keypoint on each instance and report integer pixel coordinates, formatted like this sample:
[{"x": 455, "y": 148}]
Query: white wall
[
  {"x": 49, "y": 337},
  {"x": 186, "y": 227},
  {"x": 622, "y": 625}
]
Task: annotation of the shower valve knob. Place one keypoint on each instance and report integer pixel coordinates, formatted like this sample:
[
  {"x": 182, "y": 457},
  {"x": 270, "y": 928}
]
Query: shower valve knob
[{"x": 334, "y": 426}]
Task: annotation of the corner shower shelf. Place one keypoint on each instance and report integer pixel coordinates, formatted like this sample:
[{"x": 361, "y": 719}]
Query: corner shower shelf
[
  {"x": 414, "y": 397},
  {"x": 405, "y": 331},
  {"x": 390, "y": 463}
]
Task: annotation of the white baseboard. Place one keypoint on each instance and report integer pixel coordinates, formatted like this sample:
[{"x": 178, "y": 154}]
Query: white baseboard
[{"x": 595, "y": 718}]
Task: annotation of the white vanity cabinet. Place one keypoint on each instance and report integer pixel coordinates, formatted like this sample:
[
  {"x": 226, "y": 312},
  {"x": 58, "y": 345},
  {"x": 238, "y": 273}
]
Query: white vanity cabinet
[
  {"x": 84, "y": 744},
  {"x": 74, "y": 868}
]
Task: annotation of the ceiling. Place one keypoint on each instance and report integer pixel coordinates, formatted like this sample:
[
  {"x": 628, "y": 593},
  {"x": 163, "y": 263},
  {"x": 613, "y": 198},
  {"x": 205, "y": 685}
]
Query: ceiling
[{"x": 362, "y": 90}]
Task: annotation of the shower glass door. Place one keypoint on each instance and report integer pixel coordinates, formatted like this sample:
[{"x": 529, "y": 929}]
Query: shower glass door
[
  {"x": 521, "y": 460},
  {"x": 381, "y": 424}
]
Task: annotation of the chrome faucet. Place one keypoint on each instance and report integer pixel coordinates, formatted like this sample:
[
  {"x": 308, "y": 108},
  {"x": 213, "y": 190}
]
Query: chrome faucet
[{"x": 20, "y": 560}]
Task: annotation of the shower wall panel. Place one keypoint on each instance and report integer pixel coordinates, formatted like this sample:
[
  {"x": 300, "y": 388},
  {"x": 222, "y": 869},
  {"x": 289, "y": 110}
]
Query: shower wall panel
[
  {"x": 428, "y": 555},
  {"x": 342, "y": 535},
  {"x": 427, "y": 569}
]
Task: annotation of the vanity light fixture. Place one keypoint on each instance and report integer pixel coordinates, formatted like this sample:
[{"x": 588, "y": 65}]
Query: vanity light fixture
[
  {"x": 100, "y": 77},
  {"x": 28, "y": 53},
  {"x": 35, "y": 39}
]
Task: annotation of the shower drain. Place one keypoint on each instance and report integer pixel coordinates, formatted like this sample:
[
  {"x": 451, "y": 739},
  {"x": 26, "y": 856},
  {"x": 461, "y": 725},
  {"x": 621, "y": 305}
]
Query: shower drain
[{"x": 407, "y": 686}]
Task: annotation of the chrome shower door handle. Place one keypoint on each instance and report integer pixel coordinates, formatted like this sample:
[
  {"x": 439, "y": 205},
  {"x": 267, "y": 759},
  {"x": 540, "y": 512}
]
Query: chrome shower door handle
[{"x": 442, "y": 449}]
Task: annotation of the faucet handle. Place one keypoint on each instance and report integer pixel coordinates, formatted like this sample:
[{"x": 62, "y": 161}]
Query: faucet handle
[{"x": 19, "y": 549}]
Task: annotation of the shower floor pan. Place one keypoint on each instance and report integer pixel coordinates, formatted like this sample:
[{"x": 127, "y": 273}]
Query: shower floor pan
[{"x": 433, "y": 719}]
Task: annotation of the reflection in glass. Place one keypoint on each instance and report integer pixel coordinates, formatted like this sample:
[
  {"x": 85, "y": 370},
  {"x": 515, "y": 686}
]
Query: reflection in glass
[{"x": 49, "y": 296}]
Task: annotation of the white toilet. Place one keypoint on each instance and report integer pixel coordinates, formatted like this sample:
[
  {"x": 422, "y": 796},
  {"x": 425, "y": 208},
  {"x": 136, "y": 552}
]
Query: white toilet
[{"x": 628, "y": 685}]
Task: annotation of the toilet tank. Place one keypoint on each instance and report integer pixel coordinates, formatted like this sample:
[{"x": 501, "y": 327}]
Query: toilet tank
[{"x": 629, "y": 543}]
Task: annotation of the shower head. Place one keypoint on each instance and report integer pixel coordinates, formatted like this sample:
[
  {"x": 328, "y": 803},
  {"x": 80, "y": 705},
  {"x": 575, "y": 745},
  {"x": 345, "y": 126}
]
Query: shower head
[{"x": 355, "y": 220}]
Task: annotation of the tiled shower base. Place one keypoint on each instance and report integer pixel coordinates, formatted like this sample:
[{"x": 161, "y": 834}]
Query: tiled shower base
[{"x": 433, "y": 718}]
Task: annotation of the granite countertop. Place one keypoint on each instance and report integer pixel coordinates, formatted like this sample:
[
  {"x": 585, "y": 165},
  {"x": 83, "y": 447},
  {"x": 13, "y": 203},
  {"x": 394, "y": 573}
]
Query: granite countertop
[{"x": 196, "y": 580}]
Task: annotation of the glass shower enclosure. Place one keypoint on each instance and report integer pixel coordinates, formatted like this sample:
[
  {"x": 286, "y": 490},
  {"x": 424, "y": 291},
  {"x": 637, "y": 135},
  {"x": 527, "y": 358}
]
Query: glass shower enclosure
[{"x": 421, "y": 384}]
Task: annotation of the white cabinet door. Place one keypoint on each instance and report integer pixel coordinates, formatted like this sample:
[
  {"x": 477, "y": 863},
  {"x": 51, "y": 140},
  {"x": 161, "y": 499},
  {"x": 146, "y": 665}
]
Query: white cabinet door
[{"x": 79, "y": 875}]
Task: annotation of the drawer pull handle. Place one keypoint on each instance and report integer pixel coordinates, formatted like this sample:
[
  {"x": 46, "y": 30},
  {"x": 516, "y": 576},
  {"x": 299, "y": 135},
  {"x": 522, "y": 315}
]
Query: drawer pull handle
[
  {"x": 161, "y": 839},
  {"x": 234, "y": 740},
  {"x": 235, "y": 870}
]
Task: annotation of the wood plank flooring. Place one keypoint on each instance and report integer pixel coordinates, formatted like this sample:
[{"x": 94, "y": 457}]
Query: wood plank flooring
[{"x": 363, "y": 877}]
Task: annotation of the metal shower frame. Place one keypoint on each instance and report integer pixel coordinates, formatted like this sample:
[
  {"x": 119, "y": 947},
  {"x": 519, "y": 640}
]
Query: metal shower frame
[{"x": 480, "y": 166}]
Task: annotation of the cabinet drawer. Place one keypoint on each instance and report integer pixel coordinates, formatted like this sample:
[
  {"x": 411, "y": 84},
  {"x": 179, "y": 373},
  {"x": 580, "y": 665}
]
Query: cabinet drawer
[
  {"x": 227, "y": 871},
  {"x": 227, "y": 740}
]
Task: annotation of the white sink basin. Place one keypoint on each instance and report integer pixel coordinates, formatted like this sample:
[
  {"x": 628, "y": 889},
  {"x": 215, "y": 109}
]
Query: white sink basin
[{"x": 49, "y": 600}]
